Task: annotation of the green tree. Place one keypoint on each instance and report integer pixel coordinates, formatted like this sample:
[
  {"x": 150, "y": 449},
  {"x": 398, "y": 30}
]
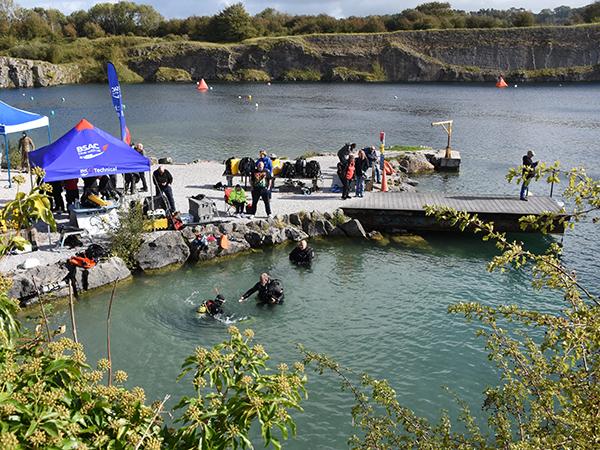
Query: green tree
[
  {"x": 591, "y": 13},
  {"x": 523, "y": 19},
  {"x": 233, "y": 24},
  {"x": 548, "y": 393}
]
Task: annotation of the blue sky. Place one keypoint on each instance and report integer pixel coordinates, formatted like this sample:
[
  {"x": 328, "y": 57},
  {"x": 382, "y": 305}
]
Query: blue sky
[{"x": 337, "y": 8}]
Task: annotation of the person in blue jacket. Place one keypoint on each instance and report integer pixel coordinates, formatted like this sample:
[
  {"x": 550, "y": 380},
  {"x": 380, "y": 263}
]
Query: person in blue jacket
[{"x": 262, "y": 156}]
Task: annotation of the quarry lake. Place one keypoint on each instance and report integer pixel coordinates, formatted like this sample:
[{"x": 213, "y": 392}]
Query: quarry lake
[{"x": 377, "y": 308}]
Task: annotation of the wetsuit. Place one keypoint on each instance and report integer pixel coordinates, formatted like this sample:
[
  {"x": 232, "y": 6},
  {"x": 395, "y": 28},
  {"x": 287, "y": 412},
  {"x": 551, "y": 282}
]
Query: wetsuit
[
  {"x": 264, "y": 293},
  {"x": 213, "y": 307},
  {"x": 302, "y": 257}
]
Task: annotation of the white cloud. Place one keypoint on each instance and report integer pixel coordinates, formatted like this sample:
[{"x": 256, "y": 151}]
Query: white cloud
[{"x": 337, "y": 8}]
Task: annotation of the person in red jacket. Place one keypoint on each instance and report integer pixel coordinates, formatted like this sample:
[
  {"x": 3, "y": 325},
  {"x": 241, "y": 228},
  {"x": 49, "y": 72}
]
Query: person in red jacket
[{"x": 347, "y": 176}]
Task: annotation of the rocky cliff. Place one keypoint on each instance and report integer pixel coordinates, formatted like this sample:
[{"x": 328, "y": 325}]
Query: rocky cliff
[
  {"x": 21, "y": 73},
  {"x": 522, "y": 54}
]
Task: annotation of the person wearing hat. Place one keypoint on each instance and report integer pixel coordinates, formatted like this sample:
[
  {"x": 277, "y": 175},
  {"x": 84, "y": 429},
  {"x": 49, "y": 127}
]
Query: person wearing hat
[
  {"x": 528, "y": 172},
  {"x": 212, "y": 307},
  {"x": 262, "y": 157}
]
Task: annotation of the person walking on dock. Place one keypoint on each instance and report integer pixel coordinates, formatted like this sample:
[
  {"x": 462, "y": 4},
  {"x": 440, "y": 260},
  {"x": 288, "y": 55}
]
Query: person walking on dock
[{"x": 528, "y": 172}]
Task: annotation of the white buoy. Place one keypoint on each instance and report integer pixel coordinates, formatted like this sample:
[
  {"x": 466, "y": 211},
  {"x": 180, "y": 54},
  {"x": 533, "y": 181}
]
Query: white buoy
[
  {"x": 269, "y": 83},
  {"x": 256, "y": 105},
  {"x": 395, "y": 97},
  {"x": 240, "y": 97},
  {"x": 31, "y": 98},
  {"x": 516, "y": 85},
  {"x": 52, "y": 112},
  {"x": 210, "y": 88},
  {"x": 124, "y": 106},
  {"x": 62, "y": 99},
  {"x": 23, "y": 94}
]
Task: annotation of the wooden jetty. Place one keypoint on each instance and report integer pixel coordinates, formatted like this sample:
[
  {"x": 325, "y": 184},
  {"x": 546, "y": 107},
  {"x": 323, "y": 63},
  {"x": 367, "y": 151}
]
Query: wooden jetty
[{"x": 398, "y": 211}]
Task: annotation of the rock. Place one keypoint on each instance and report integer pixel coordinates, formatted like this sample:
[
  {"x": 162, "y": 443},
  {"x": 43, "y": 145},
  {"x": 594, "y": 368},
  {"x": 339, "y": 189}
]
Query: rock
[
  {"x": 295, "y": 234},
  {"x": 354, "y": 228},
  {"x": 375, "y": 235},
  {"x": 254, "y": 238},
  {"x": 167, "y": 74},
  {"x": 337, "y": 232},
  {"x": 415, "y": 163},
  {"x": 53, "y": 279},
  {"x": 166, "y": 160},
  {"x": 214, "y": 251},
  {"x": 295, "y": 220},
  {"x": 274, "y": 236},
  {"x": 328, "y": 226},
  {"x": 25, "y": 73},
  {"x": 411, "y": 240},
  {"x": 226, "y": 228},
  {"x": 239, "y": 227},
  {"x": 161, "y": 249},
  {"x": 411, "y": 182}
]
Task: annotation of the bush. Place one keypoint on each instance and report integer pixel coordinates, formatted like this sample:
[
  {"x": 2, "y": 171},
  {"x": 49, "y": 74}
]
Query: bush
[
  {"x": 301, "y": 75},
  {"x": 126, "y": 238}
]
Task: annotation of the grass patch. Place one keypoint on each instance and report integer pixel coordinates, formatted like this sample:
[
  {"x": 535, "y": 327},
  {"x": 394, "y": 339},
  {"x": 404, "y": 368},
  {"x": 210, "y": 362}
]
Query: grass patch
[
  {"x": 168, "y": 74},
  {"x": 301, "y": 75},
  {"x": 249, "y": 75}
]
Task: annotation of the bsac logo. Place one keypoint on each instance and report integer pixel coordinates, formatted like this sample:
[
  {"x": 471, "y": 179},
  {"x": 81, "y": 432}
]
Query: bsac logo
[
  {"x": 115, "y": 92},
  {"x": 89, "y": 151},
  {"x": 84, "y": 172}
]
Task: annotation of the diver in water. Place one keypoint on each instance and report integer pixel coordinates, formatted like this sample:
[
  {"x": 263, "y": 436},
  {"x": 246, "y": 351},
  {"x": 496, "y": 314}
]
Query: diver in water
[
  {"x": 212, "y": 307},
  {"x": 302, "y": 255},
  {"x": 270, "y": 290}
]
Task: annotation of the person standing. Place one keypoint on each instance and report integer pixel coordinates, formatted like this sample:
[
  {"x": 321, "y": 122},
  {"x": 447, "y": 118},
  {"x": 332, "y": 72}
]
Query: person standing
[
  {"x": 361, "y": 165},
  {"x": 163, "y": 181},
  {"x": 139, "y": 147},
  {"x": 26, "y": 145},
  {"x": 262, "y": 157},
  {"x": 344, "y": 152},
  {"x": 57, "y": 189},
  {"x": 71, "y": 191},
  {"x": 346, "y": 175},
  {"x": 261, "y": 182},
  {"x": 528, "y": 172}
]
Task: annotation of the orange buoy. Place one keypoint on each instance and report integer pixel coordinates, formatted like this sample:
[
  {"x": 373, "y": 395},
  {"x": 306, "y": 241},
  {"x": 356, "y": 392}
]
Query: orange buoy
[
  {"x": 501, "y": 83},
  {"x": 202, "y": 86}
]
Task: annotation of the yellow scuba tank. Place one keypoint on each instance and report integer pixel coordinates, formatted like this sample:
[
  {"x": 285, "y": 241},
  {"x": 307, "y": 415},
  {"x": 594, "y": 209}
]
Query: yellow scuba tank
[{"x": 202, "y": 309}]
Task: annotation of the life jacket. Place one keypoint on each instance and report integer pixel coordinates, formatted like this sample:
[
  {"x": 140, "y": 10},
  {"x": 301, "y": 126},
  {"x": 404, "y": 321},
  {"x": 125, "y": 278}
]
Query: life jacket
[
  {"x": 82, "y": 261},
  {"x": 224, "y": 242}
]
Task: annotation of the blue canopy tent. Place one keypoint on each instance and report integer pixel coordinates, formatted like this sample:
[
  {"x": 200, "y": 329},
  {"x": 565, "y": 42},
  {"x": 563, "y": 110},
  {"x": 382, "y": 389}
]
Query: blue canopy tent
[
  {"x": 87, "y": 151},
  {"x": 14, "y": 120}
]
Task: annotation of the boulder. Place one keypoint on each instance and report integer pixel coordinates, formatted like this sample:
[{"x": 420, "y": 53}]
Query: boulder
[
  {"x": 52, "y": 279},
  {"x": 274, "y": 236},
  {"x": 415, "y": 163},
  {"x": 296, "y": 220},
  {"x": 161, "y": 249},
  {"x": 354, "y": 228},
  {"x": 214, "y": 251},
  {"x": 226, "y": 228},
  {"x": 295, "y": 234},
  {"x": 254, "y": 238},
  {"x": 337, "y": 232},
  {"x": 166, "y": 160}
]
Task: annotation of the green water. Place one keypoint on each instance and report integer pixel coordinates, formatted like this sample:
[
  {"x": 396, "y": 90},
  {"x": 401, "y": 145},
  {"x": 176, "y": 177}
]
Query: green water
[{"x": 381, "y": 309}]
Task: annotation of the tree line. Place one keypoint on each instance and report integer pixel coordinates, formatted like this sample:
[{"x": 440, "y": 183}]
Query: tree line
[{"x": 234, "y": 23}]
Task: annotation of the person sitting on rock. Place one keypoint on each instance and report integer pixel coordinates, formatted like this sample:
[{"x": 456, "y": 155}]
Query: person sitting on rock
[
  {"x": 302, "y": 255},
  {"x": 212, "y": 307},
  {"x": 270, "y": 291}
]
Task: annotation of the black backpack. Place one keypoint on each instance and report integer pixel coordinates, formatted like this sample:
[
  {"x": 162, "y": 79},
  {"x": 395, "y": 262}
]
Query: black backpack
[
  {"x": 312, "y": 169},
  {"x": 288, "y": 170},
  {"x": 246, "y": 166},
  {"x": 95, "y": 252},
  {"x": 300, "y": 166}
]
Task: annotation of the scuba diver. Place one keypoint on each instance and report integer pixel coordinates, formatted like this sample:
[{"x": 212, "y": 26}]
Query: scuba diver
[
  {"x": 212, "y": 307},
  {"x": 270, "y": 291},
  {"x": 302, "y": 255}
]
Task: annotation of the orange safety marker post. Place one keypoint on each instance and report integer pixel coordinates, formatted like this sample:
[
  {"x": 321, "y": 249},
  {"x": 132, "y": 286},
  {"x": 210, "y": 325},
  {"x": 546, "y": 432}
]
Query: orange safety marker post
[
  {"x": 202, "y": 86},
  {"x": 384, "y": 186}
]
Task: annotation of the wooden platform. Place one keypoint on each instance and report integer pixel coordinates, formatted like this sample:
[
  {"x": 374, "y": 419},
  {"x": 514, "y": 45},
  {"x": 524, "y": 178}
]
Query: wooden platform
[{"x": 405, "y": 211}]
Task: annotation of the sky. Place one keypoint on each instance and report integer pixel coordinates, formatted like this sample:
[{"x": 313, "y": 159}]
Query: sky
[{"x": 336, "y": 8}]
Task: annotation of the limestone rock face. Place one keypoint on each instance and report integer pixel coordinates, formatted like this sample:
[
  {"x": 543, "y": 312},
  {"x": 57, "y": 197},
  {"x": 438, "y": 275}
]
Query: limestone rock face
[
  {"x": 25, "y": 73},
  {"x": 162, "y": 249}
]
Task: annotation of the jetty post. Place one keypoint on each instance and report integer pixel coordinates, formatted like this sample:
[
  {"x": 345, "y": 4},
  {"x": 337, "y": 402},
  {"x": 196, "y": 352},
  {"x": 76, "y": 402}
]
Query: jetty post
[{"x": 448, "y": 159}]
